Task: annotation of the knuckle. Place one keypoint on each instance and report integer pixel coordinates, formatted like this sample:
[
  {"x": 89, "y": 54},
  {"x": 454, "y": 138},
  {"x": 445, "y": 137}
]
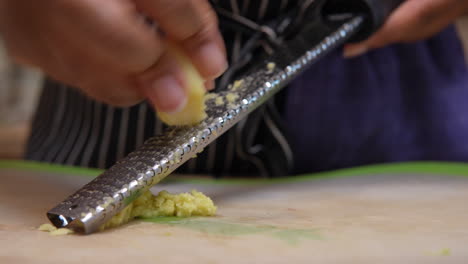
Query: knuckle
[
  {"x": 209, "y": 17},
  {"x": 170, "y": 8},
  {"x": 208, "y": 24},
  {"x": 196, "y": 17},
  {"x": 206, "y": 32},
  {"x": 141, "y": 56}
]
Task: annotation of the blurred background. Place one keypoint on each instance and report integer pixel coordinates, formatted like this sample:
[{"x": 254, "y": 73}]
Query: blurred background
[{"x": 20, "y": 90}]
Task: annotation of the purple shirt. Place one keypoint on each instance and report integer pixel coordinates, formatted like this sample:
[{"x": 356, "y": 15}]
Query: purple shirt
[{"x": 399, "y": 103}]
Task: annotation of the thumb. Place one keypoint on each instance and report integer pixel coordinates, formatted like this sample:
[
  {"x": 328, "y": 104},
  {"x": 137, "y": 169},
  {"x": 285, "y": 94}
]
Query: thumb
[{"x": 396, "y": 25}]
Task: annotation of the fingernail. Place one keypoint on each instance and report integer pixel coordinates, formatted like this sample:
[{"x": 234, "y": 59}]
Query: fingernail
[
  {"x": 209, "y": 85},
  {"x": 167, "y": 95},
  {"x": 351, "y": 51},
  {"x": 212, "y": 59}
]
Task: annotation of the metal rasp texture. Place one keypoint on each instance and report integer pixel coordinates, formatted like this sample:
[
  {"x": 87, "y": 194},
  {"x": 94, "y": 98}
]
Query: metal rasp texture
[{"x": 98, "y": 201}]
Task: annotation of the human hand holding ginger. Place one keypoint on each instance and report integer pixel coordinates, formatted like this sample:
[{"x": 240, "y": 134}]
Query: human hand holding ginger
[{"x": 108, "y": 50}]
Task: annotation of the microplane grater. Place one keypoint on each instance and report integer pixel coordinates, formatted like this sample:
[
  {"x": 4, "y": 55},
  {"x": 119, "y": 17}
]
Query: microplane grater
[{"x": 94, "y": 204}]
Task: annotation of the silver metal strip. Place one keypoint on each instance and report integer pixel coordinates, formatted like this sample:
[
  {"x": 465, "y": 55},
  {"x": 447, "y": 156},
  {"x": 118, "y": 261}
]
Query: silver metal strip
[{"x": 94, "y": 204}]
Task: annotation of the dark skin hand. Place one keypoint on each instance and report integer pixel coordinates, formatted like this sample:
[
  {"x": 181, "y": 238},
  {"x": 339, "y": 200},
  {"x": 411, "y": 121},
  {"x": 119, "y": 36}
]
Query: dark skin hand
[
  {"x": 107, "y": 49},
  {"x": 414, "y": 20}
]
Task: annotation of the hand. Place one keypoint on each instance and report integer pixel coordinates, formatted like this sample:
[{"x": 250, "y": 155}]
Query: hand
[
  {"x": 107, "y": 49},
  {"x": 414, "y": 20}
]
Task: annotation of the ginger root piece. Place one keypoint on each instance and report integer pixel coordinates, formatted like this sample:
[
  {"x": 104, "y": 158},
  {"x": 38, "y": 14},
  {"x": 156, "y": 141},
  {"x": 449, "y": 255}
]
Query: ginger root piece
[{"x": 194, "y": 111}]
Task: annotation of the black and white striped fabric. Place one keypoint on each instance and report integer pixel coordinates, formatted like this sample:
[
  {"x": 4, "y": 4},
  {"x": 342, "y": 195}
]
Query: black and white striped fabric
[{"x": 71, "y": 129}]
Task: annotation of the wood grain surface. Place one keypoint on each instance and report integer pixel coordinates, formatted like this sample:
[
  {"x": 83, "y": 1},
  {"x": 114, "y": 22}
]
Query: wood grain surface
[{"x": 362, "y": 219}]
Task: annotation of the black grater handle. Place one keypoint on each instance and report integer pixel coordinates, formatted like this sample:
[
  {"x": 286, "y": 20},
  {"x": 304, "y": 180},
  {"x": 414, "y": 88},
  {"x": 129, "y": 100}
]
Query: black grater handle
[{"x": 375, "y": 12}]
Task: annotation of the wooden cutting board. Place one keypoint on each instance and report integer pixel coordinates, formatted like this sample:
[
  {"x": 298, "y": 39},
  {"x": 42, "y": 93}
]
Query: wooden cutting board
[{"x": 376, "y": 216}]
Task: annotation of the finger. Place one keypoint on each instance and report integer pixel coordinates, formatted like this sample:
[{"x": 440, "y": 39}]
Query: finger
[
  {"x": 105, "y": 85},
  {"x": 110, "y": 88},
  {"x": 386, "y": 34},
  {"x": 412, "y": 21},
  {"x": 163, "y": 85},
  {"x": 209, "y": 85},
  {"x": 117, "y": 92},
  {"x": 113, "y": 32},
  {"x": 193, "y": 24}
]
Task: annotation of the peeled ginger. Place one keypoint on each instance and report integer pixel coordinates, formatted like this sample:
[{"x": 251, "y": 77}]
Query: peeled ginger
[{"x": 194, "y": 111}]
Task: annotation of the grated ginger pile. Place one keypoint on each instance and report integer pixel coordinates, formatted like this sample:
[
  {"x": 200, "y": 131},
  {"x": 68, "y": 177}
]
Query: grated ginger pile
[
  {"x": 148, "y": 205},
  {"x": 164, "y": 204}
]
